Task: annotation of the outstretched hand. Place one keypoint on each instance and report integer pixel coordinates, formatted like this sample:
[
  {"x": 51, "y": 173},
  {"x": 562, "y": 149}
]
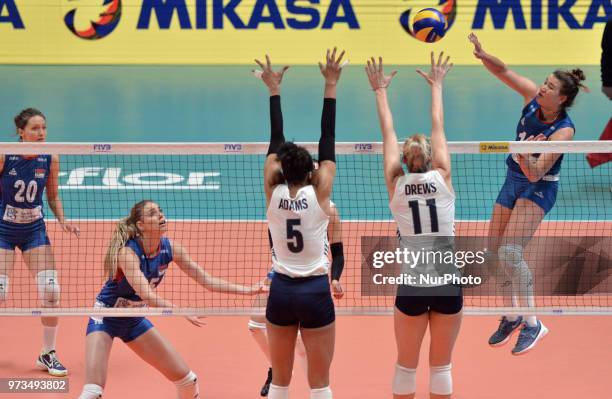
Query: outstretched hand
[
  {"x": 271, "y": 78},
  {"x": 196, "y": 320},
  {"x": 478, "y": 51},
  {"x": 333, "y": 67},
  {"x": 438, "y": 70},
  {"x": 376, "y": 74}
]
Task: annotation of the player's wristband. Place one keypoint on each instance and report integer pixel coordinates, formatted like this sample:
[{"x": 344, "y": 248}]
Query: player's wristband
[{"x": 337, "y": 250}]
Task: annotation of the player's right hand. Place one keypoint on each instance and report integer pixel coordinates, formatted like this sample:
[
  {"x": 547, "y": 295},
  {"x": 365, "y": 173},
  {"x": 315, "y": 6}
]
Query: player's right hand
[
  {"x": 271, "y": 78},
  {"x": 478, "y": 51}
]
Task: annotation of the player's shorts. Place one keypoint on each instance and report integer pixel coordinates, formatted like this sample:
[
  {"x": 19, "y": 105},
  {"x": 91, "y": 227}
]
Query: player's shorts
[
  {"x": 24, "y": 239},
  {"x": 415, "y": 301},
  {"x": 543, "y": 193},
  {"x": 126, "y": 328},
  {"x": 305, "y": 301}
]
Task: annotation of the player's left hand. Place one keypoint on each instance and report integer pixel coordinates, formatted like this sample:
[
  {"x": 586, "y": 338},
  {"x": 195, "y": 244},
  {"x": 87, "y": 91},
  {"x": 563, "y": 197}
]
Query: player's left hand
[
  {"x": 196, "y": 320},
  {"x": 70, "y": 229},
  {"x": 438, "y": 70},
  {"x": 337, "y": 290}
]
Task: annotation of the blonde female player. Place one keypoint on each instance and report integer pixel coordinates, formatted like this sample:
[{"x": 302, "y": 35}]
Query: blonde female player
[
  {"x": 422, "y": 202},
  {"x": 298, "y": 209},
  {"x": 257, "y": 323},
  {"x": 136, "y": 262},
  {"x": 531, "y": 185},
  {"x": 23, "y": 179}
]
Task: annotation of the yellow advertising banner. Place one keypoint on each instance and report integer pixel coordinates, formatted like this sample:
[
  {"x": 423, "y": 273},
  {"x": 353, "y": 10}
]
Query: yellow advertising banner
[{"x": 526, "y": 32}]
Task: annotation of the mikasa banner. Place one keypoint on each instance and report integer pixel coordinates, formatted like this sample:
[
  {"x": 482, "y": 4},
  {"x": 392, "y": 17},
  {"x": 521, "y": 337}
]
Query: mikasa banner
[{"x": 527, "y": 32}]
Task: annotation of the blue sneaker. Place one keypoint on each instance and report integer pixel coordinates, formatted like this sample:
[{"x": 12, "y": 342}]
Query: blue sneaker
[
  {"x": 504, "y": 331},
  {"x": 528, "y": 337},
  {"x": 49, "y": 362}
]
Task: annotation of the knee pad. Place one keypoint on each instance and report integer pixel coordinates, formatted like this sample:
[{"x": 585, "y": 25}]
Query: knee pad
[
  {"x": 256, "y": 326},
  {"x": 511, "y": 255},
  {"x": 4, "y": 288},
  {"x": 91, "y": 391},
  {"x": 404, "y": 380},
  {"x": 321, "y": 393},
  {"x": 48, "y": 287},
  {"x": 440, "y": 380},
  {"x": 517, "y": 268},
  {"x": 188, "y": 387}
]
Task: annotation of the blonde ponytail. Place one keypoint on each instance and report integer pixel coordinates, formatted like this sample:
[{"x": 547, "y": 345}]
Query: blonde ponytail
[{"x": 125, "y": 230}]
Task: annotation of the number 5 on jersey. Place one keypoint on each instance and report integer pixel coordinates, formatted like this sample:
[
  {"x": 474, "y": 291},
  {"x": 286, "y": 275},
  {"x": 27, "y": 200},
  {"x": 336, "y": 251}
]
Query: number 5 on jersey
[{"x": 295, "y": 238}]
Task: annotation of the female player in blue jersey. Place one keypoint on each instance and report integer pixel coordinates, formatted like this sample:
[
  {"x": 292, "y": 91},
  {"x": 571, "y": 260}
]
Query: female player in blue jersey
[
  {"x": 298, "y": 211},
  {"x": 531, "y": 185},
  {"x": 136, "y": 262},
  {"x": 23, "y": 180}
]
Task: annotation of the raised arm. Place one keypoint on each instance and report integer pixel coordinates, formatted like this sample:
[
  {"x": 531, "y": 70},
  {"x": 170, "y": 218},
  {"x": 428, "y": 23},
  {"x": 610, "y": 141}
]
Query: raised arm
[
  {"x": 440, "y": 157},
  {"x": 323, "y": 180},
  {"x": 522, "y": 85},
  {"x": 391, "y": 154},
  {"x": 272, "y": 80},
  {"x": 202, "y": 277},
  {"x": 53, "y": 198}
]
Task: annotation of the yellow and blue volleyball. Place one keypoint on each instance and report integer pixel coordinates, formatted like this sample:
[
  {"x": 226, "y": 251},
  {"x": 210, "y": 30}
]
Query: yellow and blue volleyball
[{"x": 429, "y": 25}]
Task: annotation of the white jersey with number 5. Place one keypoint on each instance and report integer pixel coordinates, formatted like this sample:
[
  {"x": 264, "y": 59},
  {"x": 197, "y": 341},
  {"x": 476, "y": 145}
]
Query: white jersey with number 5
[
  {"x": 298, "y": 227},
  {"x": 422, "y": 204}
]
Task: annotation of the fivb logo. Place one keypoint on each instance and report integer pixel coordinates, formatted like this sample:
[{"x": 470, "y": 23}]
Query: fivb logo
[
  {"x": 102, "y": 147},
  {"x": 101, "y": 23},
  {"x": 364, "y": 147},
  {"x": 232, "y": 147}
]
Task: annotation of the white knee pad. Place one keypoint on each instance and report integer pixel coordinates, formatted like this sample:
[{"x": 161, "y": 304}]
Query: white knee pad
[
  {"x": 255, "y": 326},
  {"x": 404, "y": 380},
  {"x": 187, "y": 387},
  {"x": 512, "y": 257},
  {"x": 440, "y": 380},
  {"x": 91, "y": 391},
  {"x": 321, "y": 393},
  {"x": 4, "y": 288},
  {"x": 48, "y": 287}
]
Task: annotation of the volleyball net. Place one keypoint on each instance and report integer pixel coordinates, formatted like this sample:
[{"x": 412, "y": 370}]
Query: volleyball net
[{"x": 212, "y": 196}]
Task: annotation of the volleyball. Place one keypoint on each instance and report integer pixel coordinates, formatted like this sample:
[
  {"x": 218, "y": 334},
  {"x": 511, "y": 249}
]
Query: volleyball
[{"x": 429, "y": 25}]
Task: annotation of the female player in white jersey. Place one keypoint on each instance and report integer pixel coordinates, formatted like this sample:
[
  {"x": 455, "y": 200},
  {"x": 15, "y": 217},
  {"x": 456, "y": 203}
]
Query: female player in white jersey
[
  {"x": 137, "y": 259},
  {"x": 257, "y": 323},
  {"x": 298, "y": 209},
  {"x": 531, "y": 185},
  {"x": 22, "y": 182},
  {"x": 426, "y": 210}
]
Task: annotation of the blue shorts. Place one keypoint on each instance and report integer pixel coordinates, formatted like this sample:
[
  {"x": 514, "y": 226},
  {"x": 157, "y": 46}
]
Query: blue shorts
[
  {"x": 126, "y": 328},
  {"x": 542, "y": 193},
  {"x": 23, "y": 239},
  {"x": 304, "y": 301}
]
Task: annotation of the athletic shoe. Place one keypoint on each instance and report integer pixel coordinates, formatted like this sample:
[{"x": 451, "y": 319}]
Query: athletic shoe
[
  {"x": 266, "y": 385},
  {"x": 49, "y": 362},
  {"x": 504, "y": 331},
  {"x": 528, "y": 337}
]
